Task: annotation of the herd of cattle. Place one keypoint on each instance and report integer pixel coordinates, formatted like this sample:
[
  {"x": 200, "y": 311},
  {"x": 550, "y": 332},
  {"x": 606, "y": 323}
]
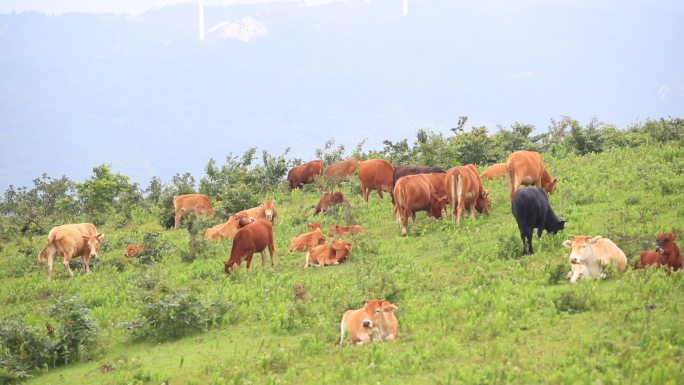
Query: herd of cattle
[{"x": 412, "y": 189}]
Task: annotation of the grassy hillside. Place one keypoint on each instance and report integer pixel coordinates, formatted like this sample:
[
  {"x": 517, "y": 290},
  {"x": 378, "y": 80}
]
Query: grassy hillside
[{"x": 471, "y": 308}]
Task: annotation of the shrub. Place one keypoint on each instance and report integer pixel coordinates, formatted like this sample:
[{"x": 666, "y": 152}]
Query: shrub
[
  {"x": 24, "y": 349},
  {"x": 572, "y": 302},
  {"x": 78, "y": 333}
]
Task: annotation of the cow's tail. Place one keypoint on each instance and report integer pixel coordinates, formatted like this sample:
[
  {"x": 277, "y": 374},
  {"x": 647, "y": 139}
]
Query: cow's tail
[
  {"x": 452, "y": 190},
  {"x": 398, "y": 206},
  {"x": 41, "y": 256}
]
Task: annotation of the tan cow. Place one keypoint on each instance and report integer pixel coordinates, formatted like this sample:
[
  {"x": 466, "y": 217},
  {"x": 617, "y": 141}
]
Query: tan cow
[
  {"x": 373, "y": 322},
  {"x": 307, "y": 241},
  {"x": 266, "y": 210},
  {"x": 342, "y": 170},
  {"x": 375, "y": 174},
  {"x": 197, "y": 203},
  {"x": 590, "y": 255},
  {"x": 314, "y": 225},
  {"x": 527, "y": 168},
  {"x": 133, "y": 250},
  {"x": 71, "y": 240},
  {"x": 495, "y": 171},
  {"x": 342, "y": 230},
  {"x": 328, "y": 254},
  {"x": 228, "y": 228},
  {"x": 464, "y": 187}
]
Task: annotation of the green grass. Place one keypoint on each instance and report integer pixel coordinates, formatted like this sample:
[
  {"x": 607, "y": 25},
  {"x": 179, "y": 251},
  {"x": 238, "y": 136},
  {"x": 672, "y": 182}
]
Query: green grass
[{"x": 471, "y": 309}]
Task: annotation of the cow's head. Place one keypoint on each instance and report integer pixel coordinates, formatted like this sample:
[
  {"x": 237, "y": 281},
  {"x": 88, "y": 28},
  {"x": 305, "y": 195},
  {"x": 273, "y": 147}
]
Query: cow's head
[
  {"x": 581, "y": 247},
  {"x": 228, "y": 265},
  {"x": 92, "y": 243},
  {"x": 132, "y": 250},
  {"x": 314, "y": 225},
  {"x": 555, "y": 226},
  {"x": 550, "y": 186},
  {"x": 437, "y": 205},
  {"x": 269, "y": 204},
  {"x": 665, "y": 243},
  {"x": 374, "y": 309},
  {"x": 342, "y": 249},
  {"x": 482, "y": 203}
]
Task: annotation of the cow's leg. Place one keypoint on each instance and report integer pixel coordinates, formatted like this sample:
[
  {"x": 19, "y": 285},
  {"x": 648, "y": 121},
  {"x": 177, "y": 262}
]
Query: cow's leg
[
  {"x": 66, "y": 265},
  {"x": 177, "y": 219},
  {"x": 86, "y": 264},
  {"x": 271, "y": 252},
  {"x": 529, "y": 240},
  {"x": 50, "y": 259},
  {"x": 249, "y": 258},
  {"x": 263, "y": 258}
]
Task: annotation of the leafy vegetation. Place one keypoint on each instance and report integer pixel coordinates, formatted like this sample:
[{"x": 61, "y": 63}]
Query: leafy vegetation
[{"x": 472, "y": 309}]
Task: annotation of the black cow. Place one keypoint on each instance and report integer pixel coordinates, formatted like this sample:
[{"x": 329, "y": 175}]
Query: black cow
[
  {"x": 531, "y": 210},
  {"x": 400, "y": 171}
]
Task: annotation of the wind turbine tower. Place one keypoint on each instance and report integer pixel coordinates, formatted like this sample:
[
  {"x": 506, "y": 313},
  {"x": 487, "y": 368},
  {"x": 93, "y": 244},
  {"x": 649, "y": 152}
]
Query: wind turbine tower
[{"x": 201, "y": 19}]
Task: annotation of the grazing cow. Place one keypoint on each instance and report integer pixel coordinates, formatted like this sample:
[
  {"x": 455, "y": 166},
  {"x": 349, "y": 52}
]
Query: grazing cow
[
  {"x": 342, "y": 230},
  {"x": 328, "y": 199},
  {"x": 342, "y": 170},
  {"x": 251, "y": 239},
  {"x": 332, "y": 253},
  {"x": 402, "y": 171},
  {"x": 72, "y": 240},
  {"x": 304, "y": 173},
  {"x": 266, "y": 210},
  {"x": 314, "y": 225},
  {"x": 495, "y": 171},
  {"x": 199, "y": 203},
  {"x": 376, "y": 174},
  {"x": 373, "y": 322},
  {"x": 228, "y": 228},
  {"x": 590, "y": 255},
  {"x": 133, "y": 250},
  {"x": 463, "y": 187},
  {"x": 666, "y": 254},
  {"x": 307, "y": 241},
  {"x": 527, "y": 168},
  {"x": 531, "y": 210},
  {"x": 415, "y": 193}
]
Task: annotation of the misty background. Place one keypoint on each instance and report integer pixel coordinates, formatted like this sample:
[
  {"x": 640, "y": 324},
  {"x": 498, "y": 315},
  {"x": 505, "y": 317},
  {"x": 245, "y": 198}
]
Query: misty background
[{"x": 142, "y": 93}]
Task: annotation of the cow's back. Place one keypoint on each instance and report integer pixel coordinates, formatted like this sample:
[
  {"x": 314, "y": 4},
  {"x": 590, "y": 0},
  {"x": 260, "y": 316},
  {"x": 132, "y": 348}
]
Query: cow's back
[
  {"x": 69, "y": 238},
  {"x": 258, "y": 234},
  {"x": 343, "y": 168},
  {"x": 610, "y": 253},
  {"x": 530, "y": 205},
  {"x": 495, "y": 171},
  {"x": 402, "y": 171},
  {"x": 413, "y": 192},
  {"x": 376, "y": 173}
]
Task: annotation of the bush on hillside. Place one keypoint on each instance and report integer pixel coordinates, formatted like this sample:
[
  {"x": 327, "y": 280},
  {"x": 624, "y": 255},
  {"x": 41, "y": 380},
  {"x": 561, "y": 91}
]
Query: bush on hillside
[
  {"x": 77, "y": 333},
  {"x": 24, "y": 349}
]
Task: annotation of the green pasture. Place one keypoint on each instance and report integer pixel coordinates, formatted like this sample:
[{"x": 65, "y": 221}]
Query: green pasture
[{"x": 472, "y": 309}]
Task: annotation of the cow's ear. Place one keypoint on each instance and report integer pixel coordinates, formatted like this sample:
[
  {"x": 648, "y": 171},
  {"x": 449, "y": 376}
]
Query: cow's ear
[
  {"x": 348, "y": 247},
  {"x": 595, "y": 239},
  {"x": 391, "y": 308},
  {"x": 99, "y": 236},
  {"x": 567, "y": 243},
  {"x": 85, "y": 237}
]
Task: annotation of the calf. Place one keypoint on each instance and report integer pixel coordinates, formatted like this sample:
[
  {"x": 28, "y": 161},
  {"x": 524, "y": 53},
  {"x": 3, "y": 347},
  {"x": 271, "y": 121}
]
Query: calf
[
  {"x": 71, "y": 240},
  {"x": 374, "y": 321},
  {"x": 133, "y": 250},
  {"x": 666, "y": 254},
  {"x": 314, "y": 225},
  {"x": 307, "y": 241},
  {"x": 228, "y": 228},
  {"x": 590, "y": 255},
  {"x": 266, "y": 210},
  {"x": 531, "y": 210},
  {"x": 251, "y": 239},
  {"x": 328, "y": 254},
  {"x": 342, "y": 230},
  {"x": 328, "y": 199}
]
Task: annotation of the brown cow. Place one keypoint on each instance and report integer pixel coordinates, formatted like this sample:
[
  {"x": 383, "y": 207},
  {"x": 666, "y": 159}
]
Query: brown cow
[
  {"x": 342, "y": 230},
  {"x": 328, "y": 199},
  {"x": 328, "y": 254},
  {"x": 307, "y": 241},
  {"x": 463, "y": 187},
  {"x": 72, "y": 240},
  {"x": 415, "y": 193},
  {"x": 495, "y": 171},
  {"x": 342, "y": 170},
  {"x": 133, "y": 250},
  {"x": 373, "y": 322},
  {"x": 304, "y": 173},
  {"x": 375, "y": 174},
  {"x": 228, "y": 228},
  {"x": 199, "y": 203},
  {"x": 527, "y": 168},
  {"x": 666, "y": 254},
  {"x": 251, "y": 239}
]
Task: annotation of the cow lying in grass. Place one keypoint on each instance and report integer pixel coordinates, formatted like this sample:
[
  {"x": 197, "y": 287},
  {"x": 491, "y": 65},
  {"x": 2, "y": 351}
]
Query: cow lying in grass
[
  {"x": 375, "y": 321},
  {"x": 332, "y": 253},
  {"x": 666, "y": 254},
  {"x": 590, "y": 255}
]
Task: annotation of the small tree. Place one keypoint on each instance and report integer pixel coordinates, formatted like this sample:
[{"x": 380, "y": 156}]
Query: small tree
[{"x": 107, "y": 191}]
